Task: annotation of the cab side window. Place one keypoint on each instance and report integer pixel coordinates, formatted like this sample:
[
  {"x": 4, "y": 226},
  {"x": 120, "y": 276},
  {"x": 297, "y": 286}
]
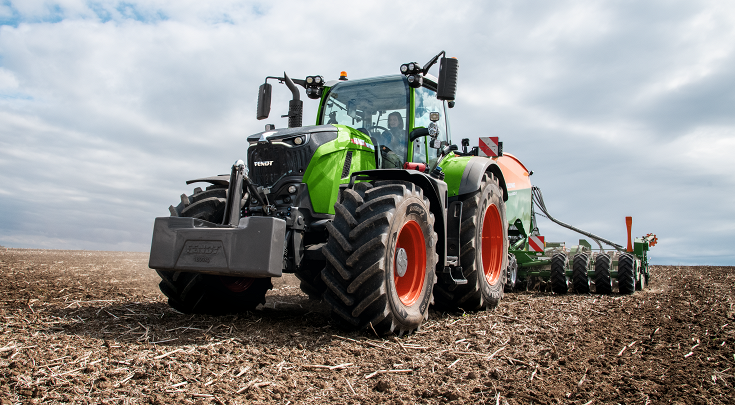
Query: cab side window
[{"x": 425, "y": 103}]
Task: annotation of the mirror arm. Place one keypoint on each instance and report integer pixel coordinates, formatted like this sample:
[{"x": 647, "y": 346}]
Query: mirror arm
[{"x": 431, "y": 63}]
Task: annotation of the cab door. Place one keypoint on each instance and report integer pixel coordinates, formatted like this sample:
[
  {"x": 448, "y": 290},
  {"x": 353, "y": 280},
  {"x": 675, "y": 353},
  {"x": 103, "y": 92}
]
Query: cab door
[{"x": 423, "y": 102}]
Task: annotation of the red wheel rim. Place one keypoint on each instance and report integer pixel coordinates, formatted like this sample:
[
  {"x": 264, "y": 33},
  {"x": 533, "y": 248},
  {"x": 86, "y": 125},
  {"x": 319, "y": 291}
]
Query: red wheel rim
[
  {"x": 237, "y": 284},
  {"x": 411, "y": 239},
  {"x": 492, "y": 244}
]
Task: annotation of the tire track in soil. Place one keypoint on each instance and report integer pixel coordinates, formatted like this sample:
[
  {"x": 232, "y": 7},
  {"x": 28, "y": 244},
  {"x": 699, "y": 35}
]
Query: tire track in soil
[{"x": 92, "y": 327}]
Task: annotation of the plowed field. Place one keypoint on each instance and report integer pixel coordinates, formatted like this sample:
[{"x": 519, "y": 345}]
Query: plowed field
[{"x": 91, "y": 327}]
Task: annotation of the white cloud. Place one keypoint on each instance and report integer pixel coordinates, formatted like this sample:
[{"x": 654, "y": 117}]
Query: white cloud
[{"x": 7, "y": 80}]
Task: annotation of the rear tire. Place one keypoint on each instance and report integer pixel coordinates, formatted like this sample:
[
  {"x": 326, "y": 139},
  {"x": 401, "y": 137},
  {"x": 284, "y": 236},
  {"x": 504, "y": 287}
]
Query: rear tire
[
  {"x": 603, "y": 281},
  {"x": 195, "y": 293},
  {"x": 626, "y": 274},
  {"x": 559, "y": 280},
  {"x": 580, "y": 267},
  {"x": 483, "y": 252},
  {"x": 381, "y": 258}
]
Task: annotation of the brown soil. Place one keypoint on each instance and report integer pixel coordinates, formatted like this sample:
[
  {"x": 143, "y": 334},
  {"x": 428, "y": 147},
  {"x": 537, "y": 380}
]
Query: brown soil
[{"x": 91, "y": 327}]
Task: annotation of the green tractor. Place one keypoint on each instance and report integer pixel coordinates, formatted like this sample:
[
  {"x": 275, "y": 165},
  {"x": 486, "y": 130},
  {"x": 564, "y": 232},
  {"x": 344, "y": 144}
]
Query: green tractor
[{"x": 373, "y": 209}]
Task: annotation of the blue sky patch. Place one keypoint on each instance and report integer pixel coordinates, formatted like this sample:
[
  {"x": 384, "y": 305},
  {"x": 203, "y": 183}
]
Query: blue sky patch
[
  {"x": 8, "y": 14},
  {"x": 129, "y": 11},
  {"x": 54, "y": 13}
]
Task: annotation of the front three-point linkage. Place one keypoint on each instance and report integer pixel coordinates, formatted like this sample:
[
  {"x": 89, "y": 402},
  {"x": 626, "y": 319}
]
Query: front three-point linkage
[{"x": 239, "y": 181}]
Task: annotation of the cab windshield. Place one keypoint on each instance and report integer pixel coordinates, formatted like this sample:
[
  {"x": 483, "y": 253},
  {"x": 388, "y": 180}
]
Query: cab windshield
[{"x": 377, "y": 107}]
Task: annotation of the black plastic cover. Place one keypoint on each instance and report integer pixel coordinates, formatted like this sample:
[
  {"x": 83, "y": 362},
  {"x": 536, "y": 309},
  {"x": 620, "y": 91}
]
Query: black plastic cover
[
  {"x": 264, "y": 101},
  {"x": 448, "y": 71}
]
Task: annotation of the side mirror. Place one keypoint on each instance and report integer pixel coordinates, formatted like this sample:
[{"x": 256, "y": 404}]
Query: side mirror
[
  {"x": 447, "y": 86},
  {"x": 264, "y": 101}
]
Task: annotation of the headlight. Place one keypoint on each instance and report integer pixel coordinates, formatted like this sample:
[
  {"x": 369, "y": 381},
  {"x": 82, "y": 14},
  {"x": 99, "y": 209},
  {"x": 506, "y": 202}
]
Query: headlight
[{"x": 433, "y": 130}]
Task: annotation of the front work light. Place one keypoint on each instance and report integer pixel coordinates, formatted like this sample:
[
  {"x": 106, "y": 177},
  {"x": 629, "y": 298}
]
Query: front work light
[
  {"x": 413, "y": 73},
  {"x": 410, "y": 68},
  {"x": 415, "y": 81},
  {"x": 314, "y": 86}
]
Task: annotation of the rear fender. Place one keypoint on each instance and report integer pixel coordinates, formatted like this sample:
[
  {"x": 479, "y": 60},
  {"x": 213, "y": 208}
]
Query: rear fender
[{"x": 464, "y": 174}]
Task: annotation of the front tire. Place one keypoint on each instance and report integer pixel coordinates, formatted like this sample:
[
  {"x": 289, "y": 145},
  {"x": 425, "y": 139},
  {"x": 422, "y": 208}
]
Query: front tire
[
  {"x": 484, "y": 251},
  {"x": 381, "y": 256},
  {"x": 195, "y": 293},
  {"x": 310, "y": 277}
]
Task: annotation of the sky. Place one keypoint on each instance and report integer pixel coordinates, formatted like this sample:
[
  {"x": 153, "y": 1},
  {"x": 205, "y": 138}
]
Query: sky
[{"x": 621, "y": 108}]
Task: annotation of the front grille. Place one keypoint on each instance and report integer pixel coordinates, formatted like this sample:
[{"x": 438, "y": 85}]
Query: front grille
[{"x": 283, "y": 158}]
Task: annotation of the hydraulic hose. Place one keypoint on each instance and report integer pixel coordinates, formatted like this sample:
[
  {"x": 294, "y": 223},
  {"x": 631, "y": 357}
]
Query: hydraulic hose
[{"x": 538, "y": 199}]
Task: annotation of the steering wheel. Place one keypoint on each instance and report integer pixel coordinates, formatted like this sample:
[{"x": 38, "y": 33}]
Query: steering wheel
[{"x": 379, "y": 127}]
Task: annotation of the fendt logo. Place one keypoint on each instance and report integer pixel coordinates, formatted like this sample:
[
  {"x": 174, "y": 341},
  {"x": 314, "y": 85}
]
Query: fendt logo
[
  {"x": 264, "y": 163},
  {"x": 202, "y": 250}
]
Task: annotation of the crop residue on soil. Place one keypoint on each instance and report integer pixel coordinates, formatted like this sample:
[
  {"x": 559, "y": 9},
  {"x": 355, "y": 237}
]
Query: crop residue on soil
[{"x": 92, "y": 327}]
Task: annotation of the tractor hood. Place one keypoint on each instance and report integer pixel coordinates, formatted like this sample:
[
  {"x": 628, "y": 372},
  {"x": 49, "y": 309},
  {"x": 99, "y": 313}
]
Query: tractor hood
[{"x": 284, "y": 154}]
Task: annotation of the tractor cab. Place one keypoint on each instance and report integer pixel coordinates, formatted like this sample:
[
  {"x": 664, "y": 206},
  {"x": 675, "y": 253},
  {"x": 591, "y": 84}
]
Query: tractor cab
[
  {"x": 405, "y": 116},
  {"x": 389, "y": 110}
]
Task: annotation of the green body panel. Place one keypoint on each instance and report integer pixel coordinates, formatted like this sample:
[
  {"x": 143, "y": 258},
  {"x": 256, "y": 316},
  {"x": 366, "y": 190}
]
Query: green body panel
[
  {"x": 640, "y": 247},
  {"x": 453, "y": 167},
  {"x": 518, "y": 207},
  {"x": 323, "y": 175}
]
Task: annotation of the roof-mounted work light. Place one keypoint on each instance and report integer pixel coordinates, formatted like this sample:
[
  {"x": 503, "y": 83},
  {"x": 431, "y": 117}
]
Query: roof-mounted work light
[
  {"x": 314, "y": 86},
  {"x": 410, "y": 68},
  {"x": 413, "y": 74}
]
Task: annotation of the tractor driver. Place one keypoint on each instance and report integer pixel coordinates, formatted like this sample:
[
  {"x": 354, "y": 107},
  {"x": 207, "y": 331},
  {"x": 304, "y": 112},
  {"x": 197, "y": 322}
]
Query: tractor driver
[{"x": 393, "y": 141}]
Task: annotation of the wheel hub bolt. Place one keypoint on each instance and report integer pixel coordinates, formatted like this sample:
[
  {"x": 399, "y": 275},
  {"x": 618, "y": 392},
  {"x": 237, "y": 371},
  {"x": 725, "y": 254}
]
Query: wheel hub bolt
[{"x": 401, "y": 262}]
